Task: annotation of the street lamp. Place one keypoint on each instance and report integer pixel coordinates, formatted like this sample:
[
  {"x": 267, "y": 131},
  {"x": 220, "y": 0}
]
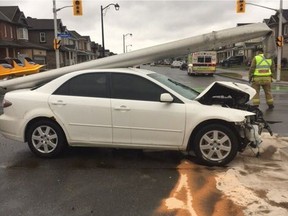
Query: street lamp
[
  {"x": 130, "y": 45},
  {"x": 124, "y": 36},
  {"x": 102, "y": 26}
]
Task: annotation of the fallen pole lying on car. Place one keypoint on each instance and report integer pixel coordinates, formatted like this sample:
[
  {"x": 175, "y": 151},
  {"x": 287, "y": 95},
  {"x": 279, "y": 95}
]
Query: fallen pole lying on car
[{"x": 177, "y": 48}]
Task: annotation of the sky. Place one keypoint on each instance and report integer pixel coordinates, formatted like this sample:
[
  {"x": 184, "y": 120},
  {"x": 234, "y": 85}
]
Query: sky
[{"x": 150, "y": 22}]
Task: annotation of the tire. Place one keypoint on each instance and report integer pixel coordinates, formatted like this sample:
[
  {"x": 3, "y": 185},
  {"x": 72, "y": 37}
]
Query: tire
[
  {"x": 46, "y": 139},
  {"x": 215, "y": 145}
]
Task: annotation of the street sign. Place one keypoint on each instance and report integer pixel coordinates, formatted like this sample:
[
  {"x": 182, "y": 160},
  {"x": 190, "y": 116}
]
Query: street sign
[{"x": 64, "y": 35}]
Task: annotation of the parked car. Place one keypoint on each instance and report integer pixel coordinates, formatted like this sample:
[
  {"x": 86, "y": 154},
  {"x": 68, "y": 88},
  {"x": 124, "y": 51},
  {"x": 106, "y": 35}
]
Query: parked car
[
  {"x": 176, "y": 64},
  {"x": 232, "y": 60},
  {"x": 132, "y": 108},
  {"x": 184, "y": 66}
]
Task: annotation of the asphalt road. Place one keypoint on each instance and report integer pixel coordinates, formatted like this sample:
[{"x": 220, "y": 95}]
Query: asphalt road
[{"x": 98, "y": 181}]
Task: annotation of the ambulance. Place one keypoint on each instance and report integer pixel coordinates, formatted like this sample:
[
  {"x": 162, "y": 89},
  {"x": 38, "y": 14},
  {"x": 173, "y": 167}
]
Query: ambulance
[{"x": 203, "y": 62}]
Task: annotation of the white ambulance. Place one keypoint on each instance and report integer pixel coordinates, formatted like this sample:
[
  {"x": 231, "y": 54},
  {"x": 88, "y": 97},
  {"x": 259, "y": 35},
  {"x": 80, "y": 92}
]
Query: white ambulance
[{"x": 203, "y": 62}]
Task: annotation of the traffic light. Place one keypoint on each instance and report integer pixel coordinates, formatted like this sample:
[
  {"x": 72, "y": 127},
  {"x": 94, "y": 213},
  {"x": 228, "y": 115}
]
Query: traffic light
[
  {"x": 77, "y": 7},
  {"x": 280, "y": 41},
  {"x": 57, "y": 44},
  {"x": 240, "y": 6}
]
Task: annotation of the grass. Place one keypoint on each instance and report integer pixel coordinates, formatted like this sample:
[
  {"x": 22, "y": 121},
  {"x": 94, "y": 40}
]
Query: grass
[{"x": 283, "y": 75}]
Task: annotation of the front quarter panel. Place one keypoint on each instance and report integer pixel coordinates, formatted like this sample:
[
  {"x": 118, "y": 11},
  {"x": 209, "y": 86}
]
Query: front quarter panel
[{"x": 198, "y": 113}]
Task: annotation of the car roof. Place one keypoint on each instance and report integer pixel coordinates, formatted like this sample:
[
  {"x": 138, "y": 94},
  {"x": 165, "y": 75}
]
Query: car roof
[{"x": 118, "y": 70}]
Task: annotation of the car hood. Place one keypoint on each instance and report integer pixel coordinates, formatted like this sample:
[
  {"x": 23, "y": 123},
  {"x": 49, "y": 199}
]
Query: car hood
[{"x": 237, "y": 92}]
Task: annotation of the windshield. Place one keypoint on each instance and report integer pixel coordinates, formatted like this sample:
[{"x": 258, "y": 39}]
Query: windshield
[{"x": 181, "y": 89}]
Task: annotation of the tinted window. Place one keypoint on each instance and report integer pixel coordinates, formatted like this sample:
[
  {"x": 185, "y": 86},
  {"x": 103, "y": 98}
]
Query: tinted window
[
  {"x": 86, "y": 85},
  {"x": 208, "y": 59},
  {"x": 201, "y": 59},
  {"x": 127, "y": 86},
  {"x": 204, "y": 59}
]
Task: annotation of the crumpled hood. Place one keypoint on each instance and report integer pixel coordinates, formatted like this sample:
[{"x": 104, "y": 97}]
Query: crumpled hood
[{"x": 241, "y": 93}]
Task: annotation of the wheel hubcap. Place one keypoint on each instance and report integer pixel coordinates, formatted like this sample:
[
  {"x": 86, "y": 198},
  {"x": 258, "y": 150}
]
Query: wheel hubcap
[
  {"x": 44, "y": 139},
  {"x": 215, "y": 145}
]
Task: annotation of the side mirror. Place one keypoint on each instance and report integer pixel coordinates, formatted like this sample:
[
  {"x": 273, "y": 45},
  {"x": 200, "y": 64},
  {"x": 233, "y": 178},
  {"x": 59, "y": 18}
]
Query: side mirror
[{"x": 166, "y": 98}]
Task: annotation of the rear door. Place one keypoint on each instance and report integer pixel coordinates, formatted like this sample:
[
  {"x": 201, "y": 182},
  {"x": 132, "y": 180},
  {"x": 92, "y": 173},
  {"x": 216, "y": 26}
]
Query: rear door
[{"x": 82, "y": 104}]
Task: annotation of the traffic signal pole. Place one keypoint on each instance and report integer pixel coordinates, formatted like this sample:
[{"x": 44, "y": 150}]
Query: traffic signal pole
[
  {"x": 279, "y": 48},
  {"x": 279, "y": 51},
  {"x": 77, "y": 11},
  {"x": 57, "y": 56}
]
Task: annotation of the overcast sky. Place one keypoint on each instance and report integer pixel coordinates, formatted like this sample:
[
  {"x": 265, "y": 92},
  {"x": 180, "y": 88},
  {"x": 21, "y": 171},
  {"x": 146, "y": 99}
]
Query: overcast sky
[{"x": 150, "y": 22}]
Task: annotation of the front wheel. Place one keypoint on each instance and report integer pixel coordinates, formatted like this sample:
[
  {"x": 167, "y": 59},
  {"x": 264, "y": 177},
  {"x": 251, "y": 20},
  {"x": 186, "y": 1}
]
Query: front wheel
[
  {"x": 46, "y": 138},
  {"x": 215, "y": 145}
]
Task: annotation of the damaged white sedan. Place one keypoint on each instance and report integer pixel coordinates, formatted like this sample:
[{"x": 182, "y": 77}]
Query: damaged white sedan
[{"x": 133, "y": 108}]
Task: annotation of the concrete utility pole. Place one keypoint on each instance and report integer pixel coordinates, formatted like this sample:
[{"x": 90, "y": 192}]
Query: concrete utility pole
[
  {"x": 56, "y": 34},
  {"x": 279, "y": 51}
]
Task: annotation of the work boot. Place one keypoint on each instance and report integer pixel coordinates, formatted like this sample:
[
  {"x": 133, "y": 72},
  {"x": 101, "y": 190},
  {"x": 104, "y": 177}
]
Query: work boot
[{"x": 270, "y": 106}]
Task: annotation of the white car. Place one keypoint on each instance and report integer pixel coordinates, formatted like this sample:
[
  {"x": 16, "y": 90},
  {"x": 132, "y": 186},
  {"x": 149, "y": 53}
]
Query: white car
[
  {"x": 176, "y": 64},
  {"x": 132, "y": 108}
]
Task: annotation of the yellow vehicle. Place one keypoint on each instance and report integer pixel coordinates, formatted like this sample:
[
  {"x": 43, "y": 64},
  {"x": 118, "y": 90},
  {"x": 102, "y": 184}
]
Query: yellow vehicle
[
  {"x": 12, "y": 67},
  {"x": 203, "y": 62}
]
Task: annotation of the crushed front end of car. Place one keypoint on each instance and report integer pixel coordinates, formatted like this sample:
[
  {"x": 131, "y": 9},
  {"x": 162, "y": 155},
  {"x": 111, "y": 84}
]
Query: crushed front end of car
[
  {"x": 236, "y": 96},
  {"x": 250, "y": 130}
]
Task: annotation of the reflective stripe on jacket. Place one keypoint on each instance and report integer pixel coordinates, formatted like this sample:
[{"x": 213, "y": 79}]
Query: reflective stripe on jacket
[{"x": 263, "y": 66}]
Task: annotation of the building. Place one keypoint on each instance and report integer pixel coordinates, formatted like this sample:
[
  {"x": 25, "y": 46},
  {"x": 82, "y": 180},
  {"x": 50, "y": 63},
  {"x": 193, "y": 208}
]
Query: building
[
  {"x": 273, "y": 23},
  {"x": 34, "y": 38},
  {"x": 73, "y": 49},
  {"x": 78, "y": 48},
  {"x": 14, "y": 36}
]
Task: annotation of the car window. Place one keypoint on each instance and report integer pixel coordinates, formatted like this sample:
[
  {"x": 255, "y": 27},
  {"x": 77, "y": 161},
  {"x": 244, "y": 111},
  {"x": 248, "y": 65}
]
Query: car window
[
  {"x": 181, "y": 89},
  {"x": 86, "y": 85},
  {"x": 132, "y": 87}
]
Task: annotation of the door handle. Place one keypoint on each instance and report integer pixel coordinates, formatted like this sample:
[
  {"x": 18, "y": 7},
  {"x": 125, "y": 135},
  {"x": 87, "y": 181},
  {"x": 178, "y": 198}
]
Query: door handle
[
  {"x": 122, "y": 108},
  {"x": 59, "y": 102}
]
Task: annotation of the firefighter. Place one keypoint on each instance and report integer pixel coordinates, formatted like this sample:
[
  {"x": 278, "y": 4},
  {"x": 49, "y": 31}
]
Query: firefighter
[{"x": 260, "y": 74}]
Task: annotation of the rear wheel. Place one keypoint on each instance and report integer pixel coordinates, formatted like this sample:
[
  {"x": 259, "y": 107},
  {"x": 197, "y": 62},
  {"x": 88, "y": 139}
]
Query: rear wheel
[
  {"x": 46, "y": 138},
  {"x": 215, "y": 145}
]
